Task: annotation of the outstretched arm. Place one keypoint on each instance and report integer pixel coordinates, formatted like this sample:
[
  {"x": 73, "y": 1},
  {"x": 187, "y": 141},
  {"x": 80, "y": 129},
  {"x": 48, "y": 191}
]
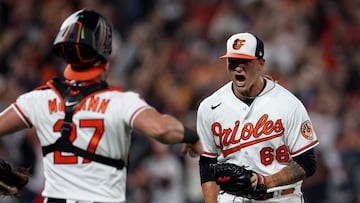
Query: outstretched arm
[
  {"x": 166, "y": 129},
  {"x": 10, "y": 121}
]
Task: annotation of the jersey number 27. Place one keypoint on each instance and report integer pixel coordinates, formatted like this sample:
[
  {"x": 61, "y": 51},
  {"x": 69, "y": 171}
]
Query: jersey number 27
[{"x": 97, "y": 124}]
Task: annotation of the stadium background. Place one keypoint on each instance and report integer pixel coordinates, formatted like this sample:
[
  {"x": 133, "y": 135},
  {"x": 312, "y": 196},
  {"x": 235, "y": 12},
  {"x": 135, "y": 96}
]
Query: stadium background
[{"x": 168, "y": 51}]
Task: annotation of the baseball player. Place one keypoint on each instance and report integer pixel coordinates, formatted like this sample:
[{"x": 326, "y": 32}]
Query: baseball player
[
  {"x": 254, "y": 122},
  {"x": 83, "y": 123}
]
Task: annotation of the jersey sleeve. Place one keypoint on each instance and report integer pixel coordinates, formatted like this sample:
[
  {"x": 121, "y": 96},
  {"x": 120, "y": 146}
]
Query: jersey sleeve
[
  {"x": 133, "y": 106},
  {"x": 204, "y": 131},
  {"x": 26, "y": 107},
  {"x": 302, "y": 136}
]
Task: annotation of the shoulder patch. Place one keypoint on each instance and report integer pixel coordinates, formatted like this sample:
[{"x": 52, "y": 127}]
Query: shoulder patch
[{"x": 307, "y": 130}]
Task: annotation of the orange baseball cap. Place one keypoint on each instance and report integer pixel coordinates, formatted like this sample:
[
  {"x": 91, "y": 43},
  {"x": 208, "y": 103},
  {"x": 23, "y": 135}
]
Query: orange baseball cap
[
  {"x": 83, "y": 74},
  {"x": 244, "y": 45}
]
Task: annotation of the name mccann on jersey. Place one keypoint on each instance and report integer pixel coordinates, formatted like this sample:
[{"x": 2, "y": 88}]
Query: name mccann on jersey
[
  {"x": 94, "y": 104},
  {"x": 225, "y": 137}
]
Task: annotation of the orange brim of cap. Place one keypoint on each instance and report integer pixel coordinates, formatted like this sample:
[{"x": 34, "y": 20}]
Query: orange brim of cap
[
  {"x": 83, "y": 75},
  {"x": 241, "y": 56}
]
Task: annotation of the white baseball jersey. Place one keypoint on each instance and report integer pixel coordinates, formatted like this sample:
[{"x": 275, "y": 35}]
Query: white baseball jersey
[
  {"x": 263, "y": 136},
  {"x": 103, "y": 125}
]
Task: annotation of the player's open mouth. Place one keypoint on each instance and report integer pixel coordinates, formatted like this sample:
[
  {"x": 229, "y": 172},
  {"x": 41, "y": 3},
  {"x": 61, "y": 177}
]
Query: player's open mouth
[{"x": 240, "y": 78}]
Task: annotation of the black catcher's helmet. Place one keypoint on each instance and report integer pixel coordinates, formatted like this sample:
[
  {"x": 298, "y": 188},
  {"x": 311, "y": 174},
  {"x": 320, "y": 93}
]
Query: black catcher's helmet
[{"x": 84, "y": 39}]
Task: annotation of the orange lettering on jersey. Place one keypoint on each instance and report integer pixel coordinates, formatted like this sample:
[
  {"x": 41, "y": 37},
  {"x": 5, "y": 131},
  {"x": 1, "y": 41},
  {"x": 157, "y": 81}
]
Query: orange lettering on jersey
[
  {"x": 52, "y": 106},
  {"x": 93, "y": 104},
  {"x": 82, "y": 106},
  {"x": 62, "y": 106},
  {"x": 263, "y": 127},
  {"x": 217, "y": 131},
  {"x": 247, "y": 131},
  {"x": 103, "y": 105},
  {"x": 234, "y": 132},
  {"x": 228, "y": 136},
  {"x": 55, "y": 106}
]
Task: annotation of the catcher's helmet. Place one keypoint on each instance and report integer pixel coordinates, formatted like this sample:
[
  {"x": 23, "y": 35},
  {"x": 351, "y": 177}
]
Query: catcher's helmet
[{"x": 84, "y": 39}]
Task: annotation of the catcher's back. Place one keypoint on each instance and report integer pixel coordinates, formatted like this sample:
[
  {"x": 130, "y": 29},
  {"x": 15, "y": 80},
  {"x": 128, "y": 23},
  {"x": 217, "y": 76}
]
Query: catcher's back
[{"x": 101, "y": 124}]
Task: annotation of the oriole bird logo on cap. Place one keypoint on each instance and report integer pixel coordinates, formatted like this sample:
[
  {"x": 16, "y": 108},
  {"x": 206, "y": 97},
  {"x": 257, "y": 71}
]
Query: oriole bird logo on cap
[{"x": 238, "y": 43}]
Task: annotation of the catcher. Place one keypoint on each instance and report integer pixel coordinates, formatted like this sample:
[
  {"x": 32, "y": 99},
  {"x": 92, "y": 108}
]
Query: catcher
[
  {"x": 83, "y": 123},
  {"x": 257, "y": 137}
]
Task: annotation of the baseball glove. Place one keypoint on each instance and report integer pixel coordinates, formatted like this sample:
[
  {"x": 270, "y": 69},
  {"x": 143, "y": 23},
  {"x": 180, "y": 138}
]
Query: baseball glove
[
  {"x": 235, "y": 180},
  {"x": 12, "y": 180}
]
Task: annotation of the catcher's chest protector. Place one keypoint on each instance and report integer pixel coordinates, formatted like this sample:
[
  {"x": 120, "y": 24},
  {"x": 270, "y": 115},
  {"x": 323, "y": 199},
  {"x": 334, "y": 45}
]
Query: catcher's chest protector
[{"x": 71, "y": 101}]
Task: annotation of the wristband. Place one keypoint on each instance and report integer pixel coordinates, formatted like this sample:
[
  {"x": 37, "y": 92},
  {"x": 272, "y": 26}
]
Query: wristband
[{"x": 190, "y": 136}]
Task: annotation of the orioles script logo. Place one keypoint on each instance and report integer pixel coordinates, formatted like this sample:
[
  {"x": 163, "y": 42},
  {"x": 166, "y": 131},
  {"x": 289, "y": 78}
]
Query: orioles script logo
[{"x": 263, "y": 130}]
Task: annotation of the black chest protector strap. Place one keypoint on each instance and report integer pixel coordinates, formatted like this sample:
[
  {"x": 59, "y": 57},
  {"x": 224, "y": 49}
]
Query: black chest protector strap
[{"x": 71, "y": 101}]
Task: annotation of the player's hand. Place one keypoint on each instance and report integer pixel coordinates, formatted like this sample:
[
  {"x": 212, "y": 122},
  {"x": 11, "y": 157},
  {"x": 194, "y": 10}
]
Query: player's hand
[
  {"x": 258, "y": 181},
  {"x": 253, "y": 181},
  {"x": 193, "y": 150}
]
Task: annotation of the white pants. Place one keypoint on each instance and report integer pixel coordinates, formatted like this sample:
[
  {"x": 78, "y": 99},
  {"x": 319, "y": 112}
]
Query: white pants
[{"x": 290, "y": 198}]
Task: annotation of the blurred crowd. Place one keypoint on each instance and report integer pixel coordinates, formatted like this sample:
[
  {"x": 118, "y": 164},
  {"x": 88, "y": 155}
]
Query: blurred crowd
[{"x": 168, "y": 51}]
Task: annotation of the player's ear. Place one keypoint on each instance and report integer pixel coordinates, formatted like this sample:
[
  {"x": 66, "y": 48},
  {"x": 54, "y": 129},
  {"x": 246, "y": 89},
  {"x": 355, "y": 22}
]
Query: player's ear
[
  {"x": 261, "y": 64},
  {"x": 261, "y": 61}
]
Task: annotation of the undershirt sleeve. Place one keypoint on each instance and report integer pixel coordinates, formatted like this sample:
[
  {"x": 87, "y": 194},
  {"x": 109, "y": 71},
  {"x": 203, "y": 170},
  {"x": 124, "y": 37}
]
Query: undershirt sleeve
[
  {"x": 307, "y": 161},
  {"x": 205, "y": 172}
]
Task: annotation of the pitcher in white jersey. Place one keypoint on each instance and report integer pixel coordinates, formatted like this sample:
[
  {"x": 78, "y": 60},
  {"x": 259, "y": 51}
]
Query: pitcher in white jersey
[
  {"x": 254, "y": 122},
  {"x": 83, "y": 123}
]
